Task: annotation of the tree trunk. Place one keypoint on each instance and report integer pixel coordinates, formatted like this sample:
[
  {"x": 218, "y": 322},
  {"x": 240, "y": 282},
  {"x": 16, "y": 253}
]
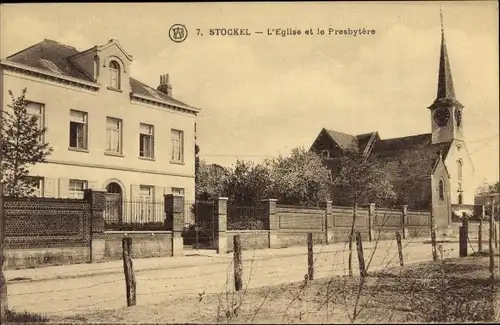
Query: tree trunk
[
  {"x": 3, "y": 282},
  {"x": 351, "y": 234}
]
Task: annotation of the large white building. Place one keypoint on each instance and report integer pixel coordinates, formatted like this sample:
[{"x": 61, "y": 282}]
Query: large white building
[{"x": 109, "y": 131}]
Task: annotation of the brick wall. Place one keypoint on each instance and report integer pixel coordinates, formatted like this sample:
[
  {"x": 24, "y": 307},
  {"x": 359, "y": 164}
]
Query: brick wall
[
  {"x": 46, "y": 231},
  {"x": 288, "y": 225},
  {"x": 300, "y": 218}
]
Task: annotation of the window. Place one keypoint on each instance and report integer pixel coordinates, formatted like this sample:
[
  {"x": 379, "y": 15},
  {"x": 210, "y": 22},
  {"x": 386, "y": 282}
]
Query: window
[
  {"x": 113, "y": 135},
  {"x": 76, "y": 188},
  {"x": 441, "y": 189},
  {"x": 146, "y": 141},
  {"x": 459, "y": 169},
  {"x": 36, "y": 109},
  {"x": 325, "y": 153},
  {"x": 114, "y": 73},
  {"x": 96, "y": 67},
  {"x": 78, "y": 130},
  {"x": 145, "y": 192},
  {"x": 177, "y": 146},
  {"x": 37, "y": 185},
  {"x": 177, "y": 190},
  {"x": 460, "y": 199}
]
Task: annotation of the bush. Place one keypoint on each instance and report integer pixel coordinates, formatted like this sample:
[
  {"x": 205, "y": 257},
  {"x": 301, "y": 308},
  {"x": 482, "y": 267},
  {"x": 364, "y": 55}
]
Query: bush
[
  {"x": 148, "y": 226},
  {"x": 246, "y": 224}
]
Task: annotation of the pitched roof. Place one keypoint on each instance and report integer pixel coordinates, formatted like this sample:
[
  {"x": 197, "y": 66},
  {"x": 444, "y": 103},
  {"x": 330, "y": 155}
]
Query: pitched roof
[
  {"x": 344, "y": 140},
  {"x": 52, "y": 56},
  {"x": 416, "y": 151},
  {"x": 47, "y": 53},
  {"x": 363, "y": 139}
]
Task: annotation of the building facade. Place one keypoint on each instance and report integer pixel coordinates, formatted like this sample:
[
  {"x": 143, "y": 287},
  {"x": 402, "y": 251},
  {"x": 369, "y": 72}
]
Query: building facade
[
  {"x": 108, "y": 130},
  {"x": 414, "y": 157}
]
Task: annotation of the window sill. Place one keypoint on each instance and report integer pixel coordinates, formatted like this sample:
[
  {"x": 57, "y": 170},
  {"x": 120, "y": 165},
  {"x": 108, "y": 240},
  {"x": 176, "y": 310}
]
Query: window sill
[
  {"x": 176, "y": 162},
  {"x": 114, "y": 154},
  {"x": 78, "y": 149},
  {"x": 147, "y": 158},
  {"x": 115, "y": 89}
]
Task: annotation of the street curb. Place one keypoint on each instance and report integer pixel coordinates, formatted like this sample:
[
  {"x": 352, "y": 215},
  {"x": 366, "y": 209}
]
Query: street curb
[{"x": 118, "y": 270}]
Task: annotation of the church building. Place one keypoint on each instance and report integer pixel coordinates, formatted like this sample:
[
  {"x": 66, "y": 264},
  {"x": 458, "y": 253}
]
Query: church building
[{"x": 439, "y": 161}]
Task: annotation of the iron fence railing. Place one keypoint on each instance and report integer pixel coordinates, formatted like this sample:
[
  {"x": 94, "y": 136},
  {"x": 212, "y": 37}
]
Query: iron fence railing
[
  {"x": 247, "y": 218},
  {"x": 204, "y": 231},
  {"x": 140, "y": 214}
]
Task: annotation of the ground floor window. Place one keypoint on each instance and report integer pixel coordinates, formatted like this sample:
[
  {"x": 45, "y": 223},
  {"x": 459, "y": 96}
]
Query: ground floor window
[{"x": 76, "y": 188}]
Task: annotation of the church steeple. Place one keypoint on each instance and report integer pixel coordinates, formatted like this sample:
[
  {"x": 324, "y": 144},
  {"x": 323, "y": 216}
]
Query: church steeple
[
  {"x": 445, "y": 80},
  {"x": 446, "y": 110}
]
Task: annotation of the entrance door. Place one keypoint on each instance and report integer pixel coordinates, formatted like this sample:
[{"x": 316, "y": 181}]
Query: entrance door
[{"x": 113, "y": 204}]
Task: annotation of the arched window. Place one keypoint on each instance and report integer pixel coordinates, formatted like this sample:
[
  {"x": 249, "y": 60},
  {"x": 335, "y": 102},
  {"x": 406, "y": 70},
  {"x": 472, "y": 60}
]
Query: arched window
[
  {"x": 325, "y": 153},
  {"x": 114, "y": 73},
  {"x": 459, "y": 169},
  {"x": 441, "y": 189},
  {"x": 460, "y": 199}
]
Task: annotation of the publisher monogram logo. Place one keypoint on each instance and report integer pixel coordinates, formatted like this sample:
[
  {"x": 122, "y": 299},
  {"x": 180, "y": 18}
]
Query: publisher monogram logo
[{"x": 178, "y": 33}]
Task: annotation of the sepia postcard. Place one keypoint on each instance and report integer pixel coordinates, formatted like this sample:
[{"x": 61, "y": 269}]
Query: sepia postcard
[{"x": 250, "y": 162}]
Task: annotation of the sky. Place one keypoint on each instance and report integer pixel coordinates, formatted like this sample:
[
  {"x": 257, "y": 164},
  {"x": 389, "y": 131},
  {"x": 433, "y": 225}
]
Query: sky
[{"x": 262, "y": 95}]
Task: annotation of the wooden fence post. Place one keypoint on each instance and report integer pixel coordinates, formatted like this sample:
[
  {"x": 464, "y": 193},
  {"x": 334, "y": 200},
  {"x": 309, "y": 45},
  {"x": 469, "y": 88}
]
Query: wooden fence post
[
  {"x": 238, "y": 263},
  {"x": 310, "y": 257},
  {"x": 491, "y": 246},
  {"x": 433, "y": 242},
  {"x": 361, "y": 258},
  {"x": 400, "y": 249},
  {"x": 495, "y": 232},
  {"x": 480, "y": 235},
  {"x": 128, "y": 269}
]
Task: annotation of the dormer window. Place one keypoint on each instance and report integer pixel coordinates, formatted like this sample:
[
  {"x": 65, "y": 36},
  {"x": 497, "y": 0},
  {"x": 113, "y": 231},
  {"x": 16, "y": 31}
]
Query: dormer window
[{"x": 114, "y": 73}]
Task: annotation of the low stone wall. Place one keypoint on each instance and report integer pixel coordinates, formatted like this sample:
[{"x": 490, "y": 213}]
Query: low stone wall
[
  {"x": 36, "y": 257},
  {"x": 144, "y": 244},
  {"x": 299, "y": 238},
  {"x": 250, "y": 239}
]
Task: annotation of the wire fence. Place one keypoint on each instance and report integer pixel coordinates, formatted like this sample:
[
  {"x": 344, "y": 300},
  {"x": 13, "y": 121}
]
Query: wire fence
[{"x": 260, "y": 269}]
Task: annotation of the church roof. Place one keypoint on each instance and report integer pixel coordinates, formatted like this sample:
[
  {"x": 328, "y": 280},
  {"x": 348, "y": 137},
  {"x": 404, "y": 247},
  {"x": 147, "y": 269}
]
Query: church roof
[
  {"x": 395, "y": 154},
  {"x": 52, "y": 56},
  {"x": 416, "y": 151},
  {"x": 344, "y": 140}
]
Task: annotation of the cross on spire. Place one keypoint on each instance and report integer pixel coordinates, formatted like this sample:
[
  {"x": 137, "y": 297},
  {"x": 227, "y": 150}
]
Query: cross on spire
[{"x": 441, "y": 19}]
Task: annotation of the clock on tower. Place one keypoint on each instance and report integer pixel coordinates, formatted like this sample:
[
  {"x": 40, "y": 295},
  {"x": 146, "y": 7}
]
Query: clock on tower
[{"x": 441, "y": 116}]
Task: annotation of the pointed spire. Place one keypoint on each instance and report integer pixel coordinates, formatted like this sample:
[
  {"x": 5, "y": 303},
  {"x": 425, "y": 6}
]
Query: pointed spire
[{"x": 445, "y": 80}]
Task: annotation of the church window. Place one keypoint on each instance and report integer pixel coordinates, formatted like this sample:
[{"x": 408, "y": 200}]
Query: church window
[
  {"x": 459, "y": 169},
  {"x": 441, "y": 189}
]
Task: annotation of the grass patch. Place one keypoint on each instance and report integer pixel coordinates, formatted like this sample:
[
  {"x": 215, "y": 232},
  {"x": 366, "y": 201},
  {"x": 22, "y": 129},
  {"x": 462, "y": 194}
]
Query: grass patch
[{"x": 25, "y": 317}]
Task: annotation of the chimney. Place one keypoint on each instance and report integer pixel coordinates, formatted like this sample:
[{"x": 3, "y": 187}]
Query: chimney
[{"x": 165, "y": 87}]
